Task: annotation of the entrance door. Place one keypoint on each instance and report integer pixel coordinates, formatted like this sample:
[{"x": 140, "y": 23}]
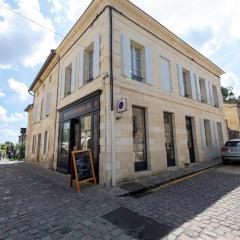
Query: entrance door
[
  {"x": 139, "y": 139},
  {"x": 169, "y": 139},
  {"x": 190, "y": 141},
  {"x": 63, "y": 160},
  {"x": 38, "y": 147},
  {"x": 84, "y": 135}
]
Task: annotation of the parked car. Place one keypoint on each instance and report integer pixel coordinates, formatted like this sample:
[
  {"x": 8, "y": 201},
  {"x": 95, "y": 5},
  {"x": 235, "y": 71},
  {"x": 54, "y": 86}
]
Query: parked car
[{"x": 231, "y": 151}]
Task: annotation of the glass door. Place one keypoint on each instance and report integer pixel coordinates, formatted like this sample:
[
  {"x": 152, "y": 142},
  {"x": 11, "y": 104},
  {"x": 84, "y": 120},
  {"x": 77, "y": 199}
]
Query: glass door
[
  {"x": 139, "y": 139},
  {"x": 63, "y": 160},
  {"x": 169, "y": 139},
  {"x": 190, "y": 141}
]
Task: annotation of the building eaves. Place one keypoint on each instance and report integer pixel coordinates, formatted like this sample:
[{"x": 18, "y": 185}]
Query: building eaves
[{"x": 43, "y": 68}]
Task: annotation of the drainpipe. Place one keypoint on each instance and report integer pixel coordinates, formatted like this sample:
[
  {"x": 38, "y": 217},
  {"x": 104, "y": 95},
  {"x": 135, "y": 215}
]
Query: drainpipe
[{"x": 112, "y": 99}]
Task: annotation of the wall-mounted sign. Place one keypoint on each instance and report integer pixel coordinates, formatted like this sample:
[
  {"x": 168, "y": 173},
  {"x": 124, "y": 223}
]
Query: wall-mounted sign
[{"x": 122, "y": 105}]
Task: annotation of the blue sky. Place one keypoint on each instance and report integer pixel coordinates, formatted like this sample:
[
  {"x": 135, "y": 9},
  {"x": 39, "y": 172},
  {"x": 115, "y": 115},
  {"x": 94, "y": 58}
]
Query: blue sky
[{"x": 210, "y": 27}]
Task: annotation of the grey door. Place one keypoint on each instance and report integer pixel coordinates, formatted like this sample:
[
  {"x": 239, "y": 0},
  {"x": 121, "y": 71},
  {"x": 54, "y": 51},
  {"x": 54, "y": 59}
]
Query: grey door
[{"x": 190, "y": 140}]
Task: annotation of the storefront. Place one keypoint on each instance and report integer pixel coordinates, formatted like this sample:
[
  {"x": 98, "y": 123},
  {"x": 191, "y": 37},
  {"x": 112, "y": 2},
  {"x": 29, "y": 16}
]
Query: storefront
[{"x": 79, "y": 130}]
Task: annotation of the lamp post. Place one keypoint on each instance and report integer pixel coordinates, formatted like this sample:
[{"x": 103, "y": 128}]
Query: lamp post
[{"x": 23, "y": 132}]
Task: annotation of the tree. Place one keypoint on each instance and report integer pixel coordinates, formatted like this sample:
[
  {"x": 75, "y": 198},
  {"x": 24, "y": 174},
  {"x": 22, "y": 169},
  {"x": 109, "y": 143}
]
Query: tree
[{"x": 225, "y": 93}]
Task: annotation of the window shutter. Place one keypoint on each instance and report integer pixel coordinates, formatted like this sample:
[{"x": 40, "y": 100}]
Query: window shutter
[
  {"x": 216, "y": 134},
  {"x": 199, "y": 95},
  {"x": 193, "y": 86},
  {"x": 149, "y": 65},
  {"x": 48, "y": 104},
  {"x": 180, "y": 80},
  {"x": 38, "y": 112},
  {"x": 203, "y": 133},
  {"x": 62, "y": 82},
  {"x": 96, "y": 57},
  {"x": 165, "y": 74},
  {"x": 81, "y": 64},
  {"x": 211, "y": 93},
  {"x": 126, "y": 56},
  {"x": 220, "y": 97},
  {"x": 213, "y": 135},
  {"x": 73, "y": 75},
  {"x": 34, "y": 113},
  {"x": 208, "y": 92}
]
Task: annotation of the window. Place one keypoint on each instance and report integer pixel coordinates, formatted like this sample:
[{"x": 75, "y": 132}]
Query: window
[
  {"x": 215, "y": 96},
  {"x": 207, "y": 128},
  {"x": 50, "y": 78},
  {"x": 33, "y": 144},
  {"x": 220, "y": 133},
  {"x": 136, "y": 61},
  {"x": 203, "y": 90},
  {"x": 233, "y": 144},
  {"x": 88, "y": 64},
  {"x": 68, "y": 75},
  {"x": 165, "y": 75},
  {"x": 45, "y": 143},
  {"x": 187, "y": 83}
]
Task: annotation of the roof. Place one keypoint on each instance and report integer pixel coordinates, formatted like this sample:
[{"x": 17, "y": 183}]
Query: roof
[
  {"x": 44, "y": 66},
  {"x": 108, "y": 3}
]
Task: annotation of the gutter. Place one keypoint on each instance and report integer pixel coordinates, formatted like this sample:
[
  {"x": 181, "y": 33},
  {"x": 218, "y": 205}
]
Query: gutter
[{"x": 112, "y": 97}]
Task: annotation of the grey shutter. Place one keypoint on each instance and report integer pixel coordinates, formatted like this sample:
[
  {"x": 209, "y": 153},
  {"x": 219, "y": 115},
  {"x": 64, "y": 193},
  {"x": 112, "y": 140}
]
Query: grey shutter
[
  {"x": 48, "y": 104},
  {"x": 165, "y": 76},
  {"x": 126, "y": 56},
  {"x": 216, "y": 134},
  {"x": 211, "y": 93},
  {"x": 73, "y": 75},
  {"x": 199, "y": 95},
  {"x": 34, "y": 113},
  {"x": 62, "y": 82},
  {"x": 208, "y": 92},
  {"x": 203, "y": 133},
  {"x": 81, "y": 67},
  {"x": 213, "y": 135},
  {"x": 96, "y": 57},
  {"x": 220, "y": 97},
  {"x": 180, "y": 80},
  {"x": 193, "y": 86},
  {"x": 149, "y": 65}
]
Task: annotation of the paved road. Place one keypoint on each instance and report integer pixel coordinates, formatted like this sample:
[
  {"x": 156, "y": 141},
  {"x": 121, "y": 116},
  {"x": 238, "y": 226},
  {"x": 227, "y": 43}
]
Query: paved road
[{"x": 204, "y": 207}]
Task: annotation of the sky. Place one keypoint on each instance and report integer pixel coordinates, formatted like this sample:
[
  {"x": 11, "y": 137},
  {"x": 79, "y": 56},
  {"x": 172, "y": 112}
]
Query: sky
[{"x": 212, "y": 27}]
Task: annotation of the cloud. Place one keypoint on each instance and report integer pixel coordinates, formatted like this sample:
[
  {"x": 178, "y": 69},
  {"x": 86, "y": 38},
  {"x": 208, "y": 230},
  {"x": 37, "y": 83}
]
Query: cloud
[
  {"x": 23, "y": 42},
  {"x": 2, "y": 94},
  {"x": 231, "y": 80},
  {"x": 8, "y": 134},
  {"x": 14, "y": 117},
  {"x": 19, "y": 88}
]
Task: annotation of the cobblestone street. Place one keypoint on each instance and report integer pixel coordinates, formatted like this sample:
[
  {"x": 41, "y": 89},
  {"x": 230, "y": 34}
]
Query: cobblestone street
[{"x": 206, "y": 206}]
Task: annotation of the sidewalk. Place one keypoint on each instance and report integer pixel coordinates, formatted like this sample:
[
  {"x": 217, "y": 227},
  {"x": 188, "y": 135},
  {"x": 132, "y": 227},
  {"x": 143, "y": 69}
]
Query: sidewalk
[
  {"x": 144, "y": 184},
  {"x": 126, "y": 189}
]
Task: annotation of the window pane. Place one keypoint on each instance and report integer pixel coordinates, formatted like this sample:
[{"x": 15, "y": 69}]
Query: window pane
[
  {"x": 86, "y": 133},
  {"x": 65, "y": 139},
  {"x": 91, "y": 65}
]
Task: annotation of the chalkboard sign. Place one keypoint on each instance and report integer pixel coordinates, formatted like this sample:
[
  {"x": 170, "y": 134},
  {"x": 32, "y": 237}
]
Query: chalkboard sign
[{"x": 83, "y": 170}]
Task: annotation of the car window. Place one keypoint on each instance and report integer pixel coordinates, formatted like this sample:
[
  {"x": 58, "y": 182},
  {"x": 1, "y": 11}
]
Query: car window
[{"x": 233, "y": 144}]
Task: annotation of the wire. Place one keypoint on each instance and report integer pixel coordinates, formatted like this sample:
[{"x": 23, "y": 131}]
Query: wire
[
  {"x": 31, "y": 20},
  {"x": 48, "y": 29}
]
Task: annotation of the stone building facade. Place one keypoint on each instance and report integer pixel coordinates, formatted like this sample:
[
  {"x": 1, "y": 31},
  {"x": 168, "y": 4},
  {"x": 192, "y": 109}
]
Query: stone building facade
[
  {"x": 232, "y": 115},
  {"x": 123, "y": 85}
]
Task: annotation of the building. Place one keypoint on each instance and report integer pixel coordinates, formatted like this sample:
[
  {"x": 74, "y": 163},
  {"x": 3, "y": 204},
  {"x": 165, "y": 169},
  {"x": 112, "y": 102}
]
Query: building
[
  {"x": 232, "y": 114},
  {"x": 123, "y": 85}
]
